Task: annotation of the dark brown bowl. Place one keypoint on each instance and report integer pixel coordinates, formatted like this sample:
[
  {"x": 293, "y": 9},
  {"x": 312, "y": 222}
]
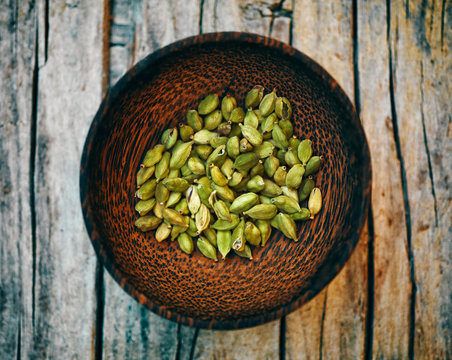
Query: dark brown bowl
[{"x": 154, "y": 95}]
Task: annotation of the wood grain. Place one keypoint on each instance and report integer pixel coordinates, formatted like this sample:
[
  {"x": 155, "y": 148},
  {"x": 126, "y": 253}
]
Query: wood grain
[
  {"x": 69, "y": 94},
  {"x": 17, "y": 121},
  {"x": 421, "y": 68},
  {"x": 342, "y": 317},
  {"x": 391, "y": 323}
]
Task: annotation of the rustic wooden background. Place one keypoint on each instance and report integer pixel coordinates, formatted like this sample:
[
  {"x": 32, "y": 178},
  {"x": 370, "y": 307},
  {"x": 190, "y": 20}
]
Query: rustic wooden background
[{"x": 392, "y": 299}]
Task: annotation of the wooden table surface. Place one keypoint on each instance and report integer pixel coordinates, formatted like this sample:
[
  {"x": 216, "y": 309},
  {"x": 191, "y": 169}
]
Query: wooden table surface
[{"x": 391, "y": 300}]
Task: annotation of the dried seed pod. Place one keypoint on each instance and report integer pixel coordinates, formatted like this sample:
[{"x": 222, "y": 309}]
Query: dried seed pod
[
  {"x": 287, "y": 127},
  {"x": 264, "y": 150},
  {"x": 176, "y": 184},
  {"x": 144, "y": 174},
  {"x": 244, "y": 202},
  {"x": 245, "y": 162},
  {"x": 217, "y": 158},
  {"x": 238, "y": 236},
  {"x": 224, "y": 128},
  {"x": 233, "y": 147},
  {"x": 245, "y": 146},
  {"x": 245, "y": 253},
  {"x": 257, "y": 170},
  {"x": 203, "y": 137},
  {"x": 305, "y": 189},
  {"x": 173, "y": 199},
  {"x": 289, "y": 192},
  {"x": 144, "y": 206},
  {"x": 224, "y": 242},
  {"x": 227, "y": 168},
  {"x": 223, "y": 192},
  {"x": 206, "y": 248},
  {"x": 194, "y": 120},
  {"x": 158, "y": 210},
  {"x": 153, "y": 156},
  {"x": 254, "y": 97},
  {"x": 225, "y": 224},
  {"x": 182, "y": 207},
  {"x": 251, "y": 119},
  {"x": 291, "y": 157},
  {"x": 147, "y": 223},
  {"x": 147, "y": 190},
  {"x": 162, "y": 232},
  {"x": 255, "y": 184},
  {"x": 185, "y": 243},
  {"x": 304, "y": 151},
  {"x": 267, "y": 105},
  {"x": 218, "y": 141},
  {"x": 286, "y": 204},
  {"x": 304, "y": 214},
  {"x": 315, "y": 202},
  {"x": 271, "y": 164},
  {"x": 252, "y": 234},
  {"x": 219, "y": 207},
  {"x": 202, "y": 218},
  {"x": 203, "y": 151},
  {"x": 279, "y": 137},
  {"x": 294, "y": 142},
  {"x": 268, "y": 122},
  {"x": 174, "y": 217},
  {"x": 287, "y": 226},
  {"x": 252, "y": 135},
  {"x": 262, "y": 212},
  {"x": 212, "y": 120},
  {"x": 217, "y": 176},
  {"x": 208, "y": 104},
  {"x": 283, "y": 108},
  {"x": 265, "y": 199},
  {"x": 196, "y": 166},
  {"x": 211, "y": 235},
  {"x": 175, "y": 173},
  {"x": 235, "y": 179},
  {"x": 295, "y": 176},
  {"x": 186, "y": 132},
  {"x": 227, "y": 105},
  {"x": 237, "y": 115},
  {"x": 313, "y": 165},
  {"x": 271, "y": 189},
  {"x": 180, "y": 154},
  {"x": 169, "y": 138},
  {"x": 265, "y": 230}
]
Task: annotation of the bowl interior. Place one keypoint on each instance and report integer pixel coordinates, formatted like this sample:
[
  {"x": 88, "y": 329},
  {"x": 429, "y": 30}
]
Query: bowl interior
[{"x": 283, "y": 274}]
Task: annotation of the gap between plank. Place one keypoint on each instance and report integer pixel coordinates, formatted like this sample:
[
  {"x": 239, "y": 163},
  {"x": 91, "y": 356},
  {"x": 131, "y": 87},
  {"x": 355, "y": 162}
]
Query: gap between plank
[
  {"x": 282, "y": 338},
  {"x": 404, "y": 187},
  {"x": 201, "y": 12},
  {"x": 193, "y": 344},
  {"x": 322, "y": 324}
]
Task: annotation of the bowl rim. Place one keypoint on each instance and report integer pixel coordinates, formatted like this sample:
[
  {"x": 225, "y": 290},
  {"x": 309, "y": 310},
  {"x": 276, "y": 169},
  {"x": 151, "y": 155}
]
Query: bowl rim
[{"x": 112, "y": 93}]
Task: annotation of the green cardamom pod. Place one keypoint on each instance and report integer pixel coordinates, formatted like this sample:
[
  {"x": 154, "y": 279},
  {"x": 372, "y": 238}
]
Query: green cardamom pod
[
  {"x": 279, "y": 137},
  {"x": 218, "y": 141},
  {"x": 154, "y": 155},
  {"x": 185, "y": 243},
  {"x": 206, "y": 248},
  {"x": 281, "y": 155},
  {"x": 275, "y": 222},
  {"x": 224, "y": 128},
  {"x": 176, "y": 184},
  {"x": 196, "y": 166},
  {"x": 162, "y": 232},
  {"x": 315, "y": 202},
  {"x": 304, "y": 151},
  {"x": 203, "y": 151},
  {"x": 191, "y": 178},
  {"x": 295, "y": 176},
  {"x": 174, "y": 217},
  {"x": 224, "y": 242},
  {"x": 227, "y": 105},
  {"x": 254, "y": 97},
  {"x": 193, "y": 200},
  {"x": 244, "y": 202},
  {"x": 169, "y": 138},
  {"x": 204, "y": 193},
  {"x": 267, "y": 105},
  {"x": 219, "y": 207},
  {"x": 291, "y": 157},
  {"x": 251, "y": 119},
  {"x": 180, "y": 154},
  {"x": 147, "y": 190},
  {"x": 202, "y": 218},
  {"x": 192, "y": 230},
  {"x": 283, "y": 108},
  {"x": 245, "y": 162},
  {"x": 235, "y": 130},
  {"x": 271, "y": 164},
  {"x": 241, "y": 187},
  {"x": 252, "y": 135},
  {"x": 262, "y": 212},
  {"x": 144, "y": 206},
  {"x": 186, "y": 132},
  {"x": 305, "y": 189},
  {"x": 252, "y": 234},
  {"x": 290, "y": 192},
  {"x": 313, "y": 165},
  {"x": 177, "y": 230},
  {"x": 233, "y": 147},
  {"x": 238, "y": 236},
  {"x": 211, "y": 235},
  {"x": 287, "y": 128},
  {"x": 271, "y": 189},
  {"x": 182, "y": 207},
  {"x": 264, "y": 150},
  {"x": 265, "y": 230},
  {"x": 286, "y": 204},
  {"x": 287, "y": 226},
  {"x": 203, "y": 137},
  {"x": 208, "y": 104},
  {"x": 236, "y": 179},
  {"x": 217, "y": 158},
  {"x": 227, "y": 168},
  {"x": 185, "y": 170},
  {"x": 245, "y": 253},
  {"x": 158, "y": 210},
  {"x": 173, "y": 199},
  {"x": 147, "y": 223},
  {"x": 294, "y": 142},
  {"x": 225, "y": 224},
  {"x": 223, "y": 192},
  {"x": 268, "y": 122},
  {"x": 255, "y": 184},
  {"x": 245, "y": 146},
  {"x": 162, "y": 168},
  {"x": 237, "y": 115},
  {"x": 212, "y": 120},
  {"x": 194, "y": 120},
  {"x": 303, "y": 215},
  {"x": 264, "y": 199},
  {"x": 257, "y": 170},
  {"x": 144, "y": 174},
  {"x": 217, "y": 176},
  {"x": 175, "y": 173}
]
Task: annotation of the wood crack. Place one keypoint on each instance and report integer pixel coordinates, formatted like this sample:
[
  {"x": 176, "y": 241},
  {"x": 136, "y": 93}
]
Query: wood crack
[
  {"x": 278, "y": 11},
  {"x": 322, "y": 324},
  {"x": 46, "y": 30},
  {"x": 19, "y": 340},
  {"x": 193, "y": 344},
  {"x": 179, "y": 342},
  {"x": 427, "y": 150},
  {"x": 282, "y": 338},
  {"x": 201, "y": 13},
  {"x": 370, "y": 315},
  {"x": 404, "y": 187},
  {"x": 443, "y": 13},
  {"x": 100, "y": 304}
]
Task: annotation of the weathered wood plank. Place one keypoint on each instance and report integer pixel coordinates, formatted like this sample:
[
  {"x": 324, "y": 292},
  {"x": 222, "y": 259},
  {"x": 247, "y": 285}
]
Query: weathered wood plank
[
  {"x": 392, "y": 284},
  {"x": 324, "y": 32},
  {"x": 69, "y": 94},
  {"x": 17, "y": 70},
  {"x": 420, "y": 49},
  {"x": 130, "y": 330}
]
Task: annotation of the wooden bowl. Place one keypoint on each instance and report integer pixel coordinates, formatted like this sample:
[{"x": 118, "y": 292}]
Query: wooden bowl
[{"x": 154, "y": 95}]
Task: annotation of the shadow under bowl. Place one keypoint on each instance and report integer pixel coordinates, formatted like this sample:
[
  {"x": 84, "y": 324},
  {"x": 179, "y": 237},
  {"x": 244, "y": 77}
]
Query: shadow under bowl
[{"x": 154, "y": 95}]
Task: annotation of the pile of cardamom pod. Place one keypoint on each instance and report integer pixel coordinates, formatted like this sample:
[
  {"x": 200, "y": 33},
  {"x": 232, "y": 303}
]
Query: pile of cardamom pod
[{"x": 226, "y": 176}]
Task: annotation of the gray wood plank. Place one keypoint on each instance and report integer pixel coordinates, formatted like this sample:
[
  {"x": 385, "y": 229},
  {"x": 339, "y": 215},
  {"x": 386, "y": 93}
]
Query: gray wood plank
[
  {"x": 420, "y": 92},
  {"x": 70, "y": 80},
  {"x": 324, "y": 32},
  {"x": 391, "y": 323},
  {"x": 17, "y": 65}
]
